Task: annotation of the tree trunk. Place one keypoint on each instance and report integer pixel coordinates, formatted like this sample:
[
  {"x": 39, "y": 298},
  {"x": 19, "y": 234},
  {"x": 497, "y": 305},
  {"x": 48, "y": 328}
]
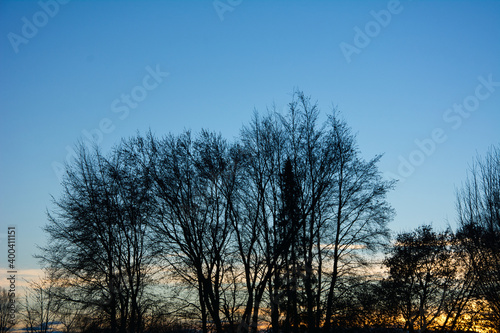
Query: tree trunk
[
  {"x": 201, "y": 298},
  {"x": 329, "y": 302},
  {"x": 273, "y": 292}
]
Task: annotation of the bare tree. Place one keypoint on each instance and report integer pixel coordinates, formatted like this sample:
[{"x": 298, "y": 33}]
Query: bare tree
[
  {"x": 478, "y": 205},
  {"x": 7, "y": 310},
  {"x": 194, "y": 187},
  {"x": 462, "y": 290},
  {"x": 256, "y": 222},
  {"x": 98, "y": 249},
  {"x": 310, "y": 200},
  {"x": 132, "y": 179},
  {"x": 40, "y": 307},
  {"x": 82, "y": 248},
  {"x": 358, "y": 211},
  {"x": 272, "y": 221}
]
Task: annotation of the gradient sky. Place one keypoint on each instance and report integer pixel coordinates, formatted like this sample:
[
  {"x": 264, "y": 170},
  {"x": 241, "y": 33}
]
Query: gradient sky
[{"x": 426, "y": 71}]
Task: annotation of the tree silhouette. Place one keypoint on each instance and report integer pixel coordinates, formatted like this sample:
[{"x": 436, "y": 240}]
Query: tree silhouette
[
  {"x": 339, "y": 202},
  {"x": 275, "y": 223},
  {"x": 6, "y": 321},
  {"x": 288, "y": 272},
  {"x": 421, "y": 272},
  {"x": 98, "y": 250},
  {"x": 195, "y": 183},
  {"x": 359, "y": 211},
  {"x": 478, "y": 206}
]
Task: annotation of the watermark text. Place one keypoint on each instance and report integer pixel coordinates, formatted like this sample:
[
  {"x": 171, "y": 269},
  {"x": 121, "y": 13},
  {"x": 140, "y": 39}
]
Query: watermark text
[
  {"x": 454, "y": 117},
  {"x": 120, "y": 106},
  {"x": 31, "y": 26},
  {"x": 11, "y": 273}
]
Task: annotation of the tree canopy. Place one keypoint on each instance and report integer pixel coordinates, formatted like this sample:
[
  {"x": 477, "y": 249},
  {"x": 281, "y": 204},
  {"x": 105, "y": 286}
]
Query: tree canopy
[{"x": 273, "y": 229}]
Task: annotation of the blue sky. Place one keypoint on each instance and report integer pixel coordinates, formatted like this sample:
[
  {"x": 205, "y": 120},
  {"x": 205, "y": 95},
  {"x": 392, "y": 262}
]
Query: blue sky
[{"x": 399, "y": 71}]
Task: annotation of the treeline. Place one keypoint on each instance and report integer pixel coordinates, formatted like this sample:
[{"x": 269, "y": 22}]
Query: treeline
[{"x": 278, "y": 229}]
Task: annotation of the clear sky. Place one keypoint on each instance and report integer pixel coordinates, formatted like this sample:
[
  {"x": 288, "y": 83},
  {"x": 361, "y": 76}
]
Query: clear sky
[{"x": 417, "y": 80}]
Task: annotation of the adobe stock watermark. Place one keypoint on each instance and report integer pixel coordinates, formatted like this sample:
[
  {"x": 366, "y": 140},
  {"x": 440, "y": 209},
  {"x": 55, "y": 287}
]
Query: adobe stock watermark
[
  {"x": 222, "y": 7},
  {"x": 363, "y": 37},
  {"x": 11, "y": 276},
  {"x": 31, "y": 26},
  {"x": 454, "y": 117},
  {"x": 121, "y": 107}
]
